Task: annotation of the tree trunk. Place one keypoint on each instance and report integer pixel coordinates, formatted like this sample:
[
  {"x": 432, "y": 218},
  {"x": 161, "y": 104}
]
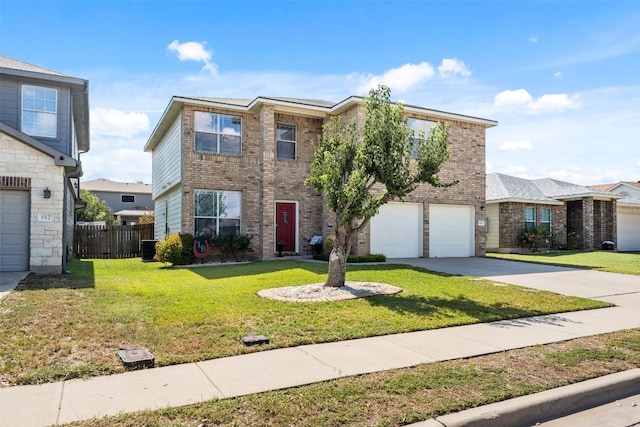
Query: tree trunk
[
  {"x": 338, "y": 257},
  {"x": 337, "y": 267}
]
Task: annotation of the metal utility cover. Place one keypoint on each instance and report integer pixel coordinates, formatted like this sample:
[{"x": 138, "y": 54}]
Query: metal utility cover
[
  {"x": 137, "y": 357},
  {"x": 255, "y": 340}
]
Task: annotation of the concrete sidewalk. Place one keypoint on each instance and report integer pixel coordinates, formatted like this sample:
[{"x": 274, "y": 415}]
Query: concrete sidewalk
[{"x": 67, "y": 401}]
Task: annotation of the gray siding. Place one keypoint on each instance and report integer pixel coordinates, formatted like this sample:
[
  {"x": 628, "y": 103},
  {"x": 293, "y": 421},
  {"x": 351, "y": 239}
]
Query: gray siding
[
  {"x": 166, "y": 160},
  {"x": 169, "y": 214},
  {"x": 114, "y": 201},
  {"x": 11, "y": 92}
]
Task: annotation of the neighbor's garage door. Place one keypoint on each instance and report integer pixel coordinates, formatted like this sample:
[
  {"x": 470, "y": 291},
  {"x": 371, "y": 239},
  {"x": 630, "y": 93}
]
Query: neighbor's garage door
[
  {"x": 628, "y": 228},
  {"x": 396, "y": 231},
  {"x": 451, "y": 231},
  {"x": 14, "y": 230}
]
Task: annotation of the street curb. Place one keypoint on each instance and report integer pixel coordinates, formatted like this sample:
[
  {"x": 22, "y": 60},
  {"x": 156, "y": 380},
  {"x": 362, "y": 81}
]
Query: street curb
[{"x": 544, "y": 406}]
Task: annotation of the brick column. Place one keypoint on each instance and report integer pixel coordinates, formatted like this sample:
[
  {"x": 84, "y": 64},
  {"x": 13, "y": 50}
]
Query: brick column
[
  {"x": 267, "y": 181},
  {"x": 587, "y": 223}
]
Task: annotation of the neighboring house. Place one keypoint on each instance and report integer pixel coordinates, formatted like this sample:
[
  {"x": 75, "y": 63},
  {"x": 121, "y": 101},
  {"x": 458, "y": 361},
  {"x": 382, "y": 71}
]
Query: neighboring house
[
  {"x": 573, "y": 216},
  {"x": 239, "y": 165},
  {"x": 628, "y": 213},
  {"x": 127, "y": 200},
  {"x": 44, "y": 126}
]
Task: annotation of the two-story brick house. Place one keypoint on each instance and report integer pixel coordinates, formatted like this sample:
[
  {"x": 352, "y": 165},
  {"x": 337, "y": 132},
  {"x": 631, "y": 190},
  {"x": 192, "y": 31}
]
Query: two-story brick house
[
  {"x": 44, "y": 126},
  {"x": 239, "y": 165}
]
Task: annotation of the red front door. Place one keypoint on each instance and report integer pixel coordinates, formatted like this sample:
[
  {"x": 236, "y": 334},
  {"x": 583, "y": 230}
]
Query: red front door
[{"x": 286, "y": 225}]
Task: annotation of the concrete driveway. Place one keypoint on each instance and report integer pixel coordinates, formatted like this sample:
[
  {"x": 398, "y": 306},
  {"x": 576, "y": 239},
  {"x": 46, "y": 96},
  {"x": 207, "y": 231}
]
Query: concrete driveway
[{"x": 562, "y": 280}]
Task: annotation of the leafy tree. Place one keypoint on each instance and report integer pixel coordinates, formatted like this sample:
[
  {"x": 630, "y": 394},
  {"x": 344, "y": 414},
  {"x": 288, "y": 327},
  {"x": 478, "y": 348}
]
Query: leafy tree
[
  {"x": 149, "y": 217},
  {"x": 96, "y": 209},
  {"x": 359, "y": 173}
]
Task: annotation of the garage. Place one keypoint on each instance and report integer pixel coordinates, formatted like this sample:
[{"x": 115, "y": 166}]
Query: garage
[
  {"x": 14, "y": 230},
  {"x": 451, "y": 231},
  {"x": 396, "y": 231},
  {"x": 629, "y": 228}
]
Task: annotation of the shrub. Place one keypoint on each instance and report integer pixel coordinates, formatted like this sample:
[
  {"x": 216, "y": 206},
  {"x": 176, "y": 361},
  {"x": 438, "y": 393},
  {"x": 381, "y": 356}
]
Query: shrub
[
  {"x": 176, "y": 249},
  {"x": 354, "y": 259},
  {"x": 533, "y": 239},
  {"x": 236, "y": 245}
]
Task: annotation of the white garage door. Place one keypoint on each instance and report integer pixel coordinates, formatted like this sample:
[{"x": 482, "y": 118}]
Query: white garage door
[
  {"x": 628, "y": 228},
  {"x": 14, "y": 230},
  {"x": 396, "y": 231},
  {"x": 451, "y": 231}
]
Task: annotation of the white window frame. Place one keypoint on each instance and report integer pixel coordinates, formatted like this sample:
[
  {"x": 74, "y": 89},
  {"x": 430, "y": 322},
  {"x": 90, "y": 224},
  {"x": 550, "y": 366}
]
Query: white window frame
[
  {"x": 544, "y": 221},
  {"x": 217, "y": 216},
  {"x": 45, "y": 119},
  {"x": 294, "y": 142},
  {"x": 527, "y": 219},
  {"x": 217, "y": 133},
  {"x": 418, "y": 126}
]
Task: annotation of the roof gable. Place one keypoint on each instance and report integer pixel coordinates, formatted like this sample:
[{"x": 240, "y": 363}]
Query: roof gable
[{"x": 59, "y": 158}]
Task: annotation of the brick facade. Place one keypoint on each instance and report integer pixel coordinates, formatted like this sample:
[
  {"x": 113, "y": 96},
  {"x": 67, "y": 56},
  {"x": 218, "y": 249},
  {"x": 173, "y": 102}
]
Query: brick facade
[
  {"x": 264, "y": 180},
  {"x": 511, "y": 220}
]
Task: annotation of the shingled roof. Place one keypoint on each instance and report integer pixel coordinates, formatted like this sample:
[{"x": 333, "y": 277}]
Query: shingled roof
[{"x": 502, "y": 187}]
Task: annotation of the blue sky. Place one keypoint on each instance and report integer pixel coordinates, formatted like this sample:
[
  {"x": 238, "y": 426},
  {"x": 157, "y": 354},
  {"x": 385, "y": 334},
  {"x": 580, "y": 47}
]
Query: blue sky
[{"x": 562, "y": 78}]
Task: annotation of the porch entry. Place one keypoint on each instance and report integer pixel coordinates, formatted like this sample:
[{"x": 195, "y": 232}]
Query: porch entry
[{"x": 286, "y": 222}]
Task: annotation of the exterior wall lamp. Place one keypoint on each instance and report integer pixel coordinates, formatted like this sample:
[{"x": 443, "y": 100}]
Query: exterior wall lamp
[
  {"x": 47, "y": 193},
  {"x": 482, "y": 208}
]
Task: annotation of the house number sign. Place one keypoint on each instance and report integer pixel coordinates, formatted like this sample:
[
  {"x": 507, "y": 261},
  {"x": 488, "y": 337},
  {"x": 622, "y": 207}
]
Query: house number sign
[{"x": 45, "y": 217}]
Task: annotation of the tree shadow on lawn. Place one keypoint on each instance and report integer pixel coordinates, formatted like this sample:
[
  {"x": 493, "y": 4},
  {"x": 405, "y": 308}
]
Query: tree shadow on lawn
[
  {"x": 460, "y": 306},
  {"x": 82, "y": 276}
]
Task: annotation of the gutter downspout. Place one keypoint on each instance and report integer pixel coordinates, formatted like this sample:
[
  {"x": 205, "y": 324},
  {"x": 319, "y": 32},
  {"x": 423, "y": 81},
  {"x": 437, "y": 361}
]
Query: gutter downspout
[{"x": 76, "y": 172}]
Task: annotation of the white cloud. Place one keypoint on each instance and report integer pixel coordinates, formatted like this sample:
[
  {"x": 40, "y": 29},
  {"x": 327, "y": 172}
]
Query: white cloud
[
  {"x": 194, "y": 51},
  {"x": 550, "y": 103},
  {"x": 516, "y": 146},
  {"x": 450, "y": 68},
  {"x": 518, "y": 171},
  {"x": 534, "y": 39},
  {"x": 512, "y": 97},
  {"x": 553, "y": 103},
  {"x": 112, "y": 122},
  {"x": 557, "y": 74},
  {"x": 400, "y": 79}
]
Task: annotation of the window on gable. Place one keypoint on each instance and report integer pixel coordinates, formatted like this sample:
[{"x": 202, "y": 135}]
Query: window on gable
[
  {"x": 39, "y": 111},
  {"x": 217, "y": 212},
  {"x": 545, "y": 220},
  {"x": 420, "y": 129},
  {"x": 286, "y": 141},
  {"x": 218, "y": 133},
  {"x": 529, "y": 218},
  {"x": 127, "y": 198}
]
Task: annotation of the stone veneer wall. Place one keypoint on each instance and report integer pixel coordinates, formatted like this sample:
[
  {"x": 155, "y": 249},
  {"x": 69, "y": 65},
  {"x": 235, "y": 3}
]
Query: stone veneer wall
[{"x": 45, "y": 238}]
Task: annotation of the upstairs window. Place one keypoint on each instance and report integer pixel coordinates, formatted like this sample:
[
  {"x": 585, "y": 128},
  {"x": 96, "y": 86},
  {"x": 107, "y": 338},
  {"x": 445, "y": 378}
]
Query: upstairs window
[
  {"x": 545, "y": 221},
  {"x": 529, "y": 218},
  {"x": 39, "y": 111},
  {"x": 218, "y": 133},
  {"x": 420, "y": 128},
  {"x": 286, "y": 141},
  {"x": 127, "y": 198}
]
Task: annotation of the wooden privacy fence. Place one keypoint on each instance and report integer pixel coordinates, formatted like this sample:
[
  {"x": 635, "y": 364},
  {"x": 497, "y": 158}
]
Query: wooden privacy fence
[{"x": 110, "y": 241}]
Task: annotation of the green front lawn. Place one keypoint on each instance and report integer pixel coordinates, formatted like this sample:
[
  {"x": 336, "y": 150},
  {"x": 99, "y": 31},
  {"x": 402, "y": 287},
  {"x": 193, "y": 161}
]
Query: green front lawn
[
  {"x": 73, "y": 325},
  {"x": 614, "y": 262}
]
